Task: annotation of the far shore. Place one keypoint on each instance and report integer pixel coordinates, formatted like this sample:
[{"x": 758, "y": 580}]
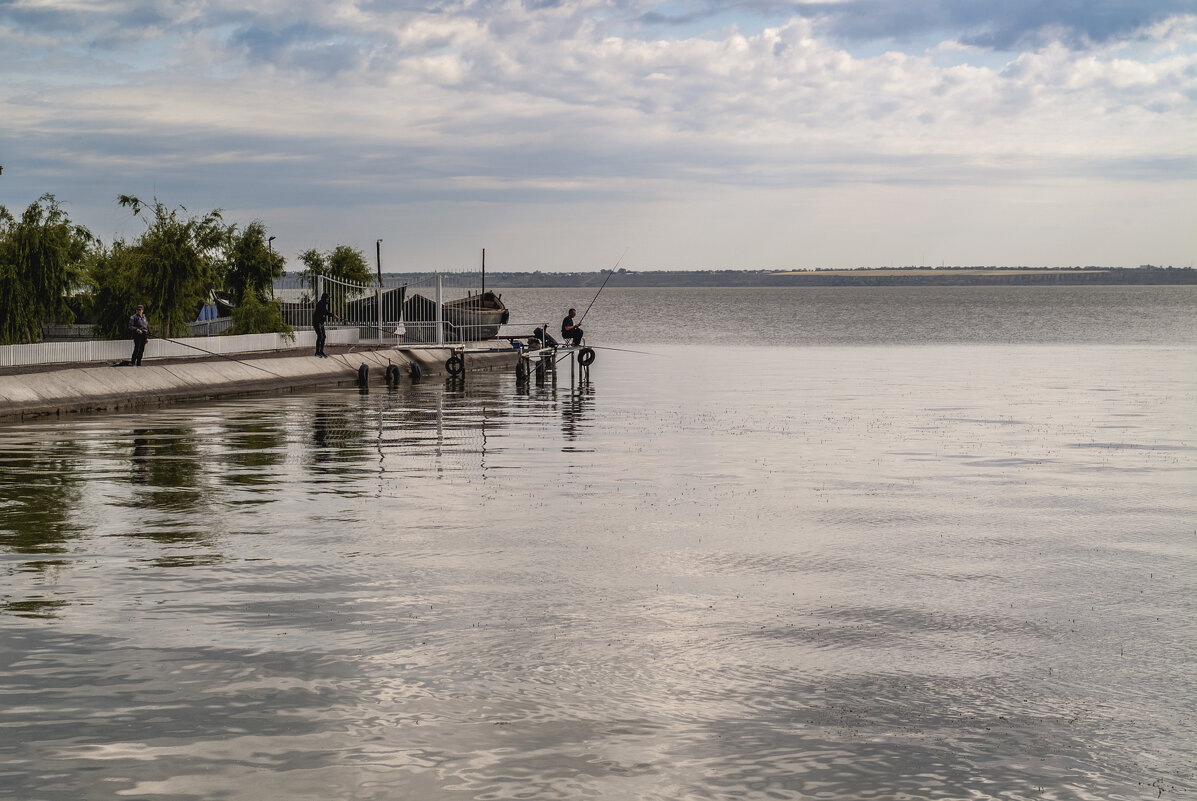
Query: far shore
[{"x": 883, "y": 276}]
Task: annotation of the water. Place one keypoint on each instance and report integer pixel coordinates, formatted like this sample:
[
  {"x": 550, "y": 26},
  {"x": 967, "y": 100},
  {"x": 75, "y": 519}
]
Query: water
[
  {"x": 1113, "y": 315},
  {"x": 815, "y": 570}
]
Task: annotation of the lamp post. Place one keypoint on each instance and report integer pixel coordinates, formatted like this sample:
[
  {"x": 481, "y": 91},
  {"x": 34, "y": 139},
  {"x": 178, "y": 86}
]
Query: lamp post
[{"x": 270, "y": 250}]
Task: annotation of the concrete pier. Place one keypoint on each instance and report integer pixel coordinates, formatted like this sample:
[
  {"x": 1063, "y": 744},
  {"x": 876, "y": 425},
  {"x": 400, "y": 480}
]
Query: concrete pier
[{"x": 109, "y": 388}]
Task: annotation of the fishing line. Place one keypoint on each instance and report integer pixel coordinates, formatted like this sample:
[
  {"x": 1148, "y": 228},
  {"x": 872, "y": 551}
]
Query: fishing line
[
  {"x": 221, "y": 355},
  {"x": 625, "y": 350}
]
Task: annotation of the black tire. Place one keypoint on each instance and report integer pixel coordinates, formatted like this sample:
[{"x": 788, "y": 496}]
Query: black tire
[
  {"x": 586, "y": 357},
  {"x": 392, "y": 374},
  {"x": 417, "y": 372},
  {"x": 363, "y": 375},
  {"x": 455, "y": 365}
]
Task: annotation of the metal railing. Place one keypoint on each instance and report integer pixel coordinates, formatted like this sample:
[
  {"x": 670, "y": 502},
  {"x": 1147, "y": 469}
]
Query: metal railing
[{"x": 413, "y": 313}]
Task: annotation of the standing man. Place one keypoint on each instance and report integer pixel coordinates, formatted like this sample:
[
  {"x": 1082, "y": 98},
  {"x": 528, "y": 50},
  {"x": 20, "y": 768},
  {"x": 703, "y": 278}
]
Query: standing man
[
  {"x": 570, "y": 332},
  {"x": 320, "y": 315},
  {"x": 139, "y": 327}
]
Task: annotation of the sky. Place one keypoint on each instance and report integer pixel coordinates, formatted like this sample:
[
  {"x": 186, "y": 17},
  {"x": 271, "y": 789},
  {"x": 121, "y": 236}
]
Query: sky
[{"x": 561, "y": 134}]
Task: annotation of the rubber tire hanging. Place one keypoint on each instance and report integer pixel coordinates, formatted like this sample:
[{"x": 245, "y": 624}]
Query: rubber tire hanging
[
  {"x": 586, "y": 357},
  {"x": 455, "y": 366}
]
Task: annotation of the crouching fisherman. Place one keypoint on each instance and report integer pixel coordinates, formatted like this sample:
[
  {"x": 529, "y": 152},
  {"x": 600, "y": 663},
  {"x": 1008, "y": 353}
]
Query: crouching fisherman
[
  {"x": 544, "y": 338},
  {"x": 139, "y": 327}
]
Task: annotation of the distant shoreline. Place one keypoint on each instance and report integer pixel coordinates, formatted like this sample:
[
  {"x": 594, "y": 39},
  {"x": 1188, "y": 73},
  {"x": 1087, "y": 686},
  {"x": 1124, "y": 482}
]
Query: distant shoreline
[{"x": 905, "y": 276}]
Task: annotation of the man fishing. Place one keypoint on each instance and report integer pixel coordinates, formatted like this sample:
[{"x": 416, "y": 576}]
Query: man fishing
[
  {"x": 570, "y": 332},
  {"x": 320, "y": 315},
  {"x": 139, "y": 327}
]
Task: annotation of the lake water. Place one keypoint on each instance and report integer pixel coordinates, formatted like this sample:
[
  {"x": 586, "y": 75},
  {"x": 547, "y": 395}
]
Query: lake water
[{"x": 842, "y": 544}]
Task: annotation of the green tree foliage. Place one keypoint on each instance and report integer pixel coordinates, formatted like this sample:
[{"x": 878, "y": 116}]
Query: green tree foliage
[
  {"x": 41, "y": 266},
  {"x": 250, "y": 269},
  {"x": 116, "y": 288},
  {"x": 251, "y": 266},
  {"x": 342, "y": 262},
  {"x": 257, "y": 315},
  {"x": 175, "y": 261}
]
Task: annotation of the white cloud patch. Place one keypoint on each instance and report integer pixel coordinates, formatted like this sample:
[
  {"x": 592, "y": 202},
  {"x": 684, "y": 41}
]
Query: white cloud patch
[{"x": 573, "y": 104}]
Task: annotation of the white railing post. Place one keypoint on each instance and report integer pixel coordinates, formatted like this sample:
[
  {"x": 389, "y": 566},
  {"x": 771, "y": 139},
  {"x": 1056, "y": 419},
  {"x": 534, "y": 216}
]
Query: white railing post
[{"x": 440, "y": 318}]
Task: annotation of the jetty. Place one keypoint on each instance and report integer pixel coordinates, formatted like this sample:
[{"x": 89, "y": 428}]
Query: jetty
[{"x": 45, "y": 380}]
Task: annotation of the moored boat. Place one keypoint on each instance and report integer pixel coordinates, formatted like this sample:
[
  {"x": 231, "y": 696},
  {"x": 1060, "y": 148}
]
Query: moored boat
[{"x": 470, "y": 319}]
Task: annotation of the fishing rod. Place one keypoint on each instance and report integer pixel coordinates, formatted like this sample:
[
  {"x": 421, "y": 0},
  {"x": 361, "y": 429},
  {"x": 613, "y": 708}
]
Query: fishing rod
[
  {"x": 221, "y": 355},
  {"x": 600, "y": 291}
]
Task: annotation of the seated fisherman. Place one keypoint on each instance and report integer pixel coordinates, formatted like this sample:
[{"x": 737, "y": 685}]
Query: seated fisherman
[{"x": 570, "y": 332}]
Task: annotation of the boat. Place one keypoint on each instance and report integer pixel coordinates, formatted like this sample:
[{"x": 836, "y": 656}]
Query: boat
[
  {"x": 476, "y": 317},
  {"x": 470, "y": 319}
]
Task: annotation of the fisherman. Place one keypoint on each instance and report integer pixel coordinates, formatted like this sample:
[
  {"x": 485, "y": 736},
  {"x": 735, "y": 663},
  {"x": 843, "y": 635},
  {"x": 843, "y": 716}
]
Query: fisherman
[
  {"x": 139, "y": 327},
  {"x": 321, "y": 313},
  {"x": 570, "y": 332}
]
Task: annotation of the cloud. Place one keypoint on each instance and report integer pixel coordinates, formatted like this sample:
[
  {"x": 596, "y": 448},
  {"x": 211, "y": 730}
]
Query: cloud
[
  {"x": 573, "y": 104},
  {"x": 1009, "y": 25}
]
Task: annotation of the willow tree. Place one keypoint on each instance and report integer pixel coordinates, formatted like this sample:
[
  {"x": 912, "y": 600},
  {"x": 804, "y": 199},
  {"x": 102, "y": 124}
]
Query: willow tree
[
  {"x": 116, "y": 288},
  {"x": 176, "y": 260},
  {"x": 41, "y": 265},
  {"x": 251, "y": 266},
  {"x": 342, "y": 263},
  {"x": 250, "y": 269}
]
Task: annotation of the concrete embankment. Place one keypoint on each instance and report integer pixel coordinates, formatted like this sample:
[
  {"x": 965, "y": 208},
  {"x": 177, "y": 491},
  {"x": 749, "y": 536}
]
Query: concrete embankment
[{"x": 108, "y": 388}]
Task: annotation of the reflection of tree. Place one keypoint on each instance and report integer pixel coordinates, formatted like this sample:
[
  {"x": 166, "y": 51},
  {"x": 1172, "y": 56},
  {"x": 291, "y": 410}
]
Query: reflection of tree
[
  {"x": 39, "y": 493},
  {"x": 255, "y": 443},
  {"x": 339, "y": 442},
  {"x": 166, "y": 470},
  {"x": 166, "y": 462},
  {"x": 33, "y": 607}
]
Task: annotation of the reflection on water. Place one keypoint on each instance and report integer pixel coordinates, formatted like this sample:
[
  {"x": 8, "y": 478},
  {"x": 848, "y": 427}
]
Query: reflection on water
[
  {"x": 39, "y": 485},
  {"x": 808, "y": 572}
]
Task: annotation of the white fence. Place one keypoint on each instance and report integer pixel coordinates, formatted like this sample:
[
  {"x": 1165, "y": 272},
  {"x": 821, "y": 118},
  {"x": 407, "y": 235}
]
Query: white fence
[{"x": 184, "y": 347}]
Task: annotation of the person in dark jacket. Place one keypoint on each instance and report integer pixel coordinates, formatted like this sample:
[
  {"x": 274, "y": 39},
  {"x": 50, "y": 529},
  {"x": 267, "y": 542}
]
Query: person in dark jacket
[
  {"x": 570, "y": 332},
  {"x": 139, "y": 327},
  {"x": 320, "y": 316}
]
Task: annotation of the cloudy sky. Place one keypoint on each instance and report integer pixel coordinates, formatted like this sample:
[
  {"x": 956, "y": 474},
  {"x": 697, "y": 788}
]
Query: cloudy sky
[{"x": 695, "y": 134}]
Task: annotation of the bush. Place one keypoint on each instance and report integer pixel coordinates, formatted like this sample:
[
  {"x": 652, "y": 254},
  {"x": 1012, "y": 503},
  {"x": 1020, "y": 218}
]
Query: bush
[{"x": 253, "y": 315}]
